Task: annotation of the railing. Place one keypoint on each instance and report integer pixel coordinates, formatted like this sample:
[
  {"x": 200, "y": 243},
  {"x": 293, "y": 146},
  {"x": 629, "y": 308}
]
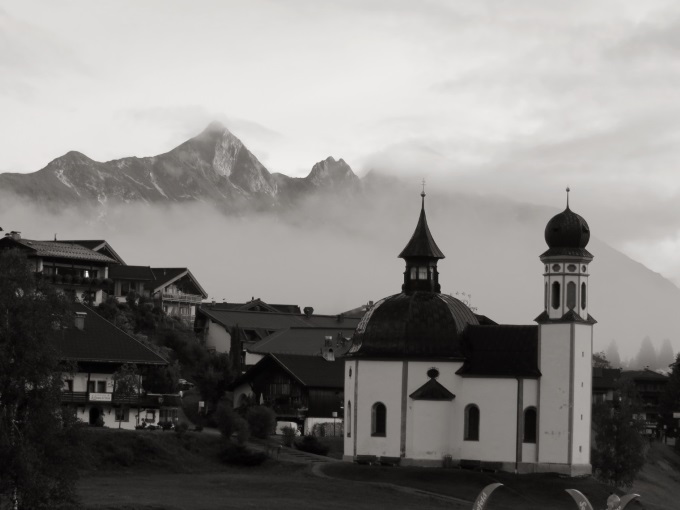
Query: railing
[
  {"x": 147, "y": 400},
  {"x": 185, "y": 298}
]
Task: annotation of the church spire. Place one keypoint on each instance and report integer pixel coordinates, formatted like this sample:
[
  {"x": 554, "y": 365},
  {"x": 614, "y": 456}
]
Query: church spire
[{"x": 421, "y": 255}]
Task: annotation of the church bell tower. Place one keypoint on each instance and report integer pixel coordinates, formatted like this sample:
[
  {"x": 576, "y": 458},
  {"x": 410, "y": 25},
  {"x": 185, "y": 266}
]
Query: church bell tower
[{"x": 565, "y": 352}]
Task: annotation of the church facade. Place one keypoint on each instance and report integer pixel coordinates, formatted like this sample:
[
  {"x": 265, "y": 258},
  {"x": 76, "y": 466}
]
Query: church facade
[{"x": 429, "y": 382}]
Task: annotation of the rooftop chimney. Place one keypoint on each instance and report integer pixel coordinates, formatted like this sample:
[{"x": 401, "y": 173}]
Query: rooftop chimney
[
  {"x": 14, "y": 235},
  {"x": 308, "y": 310},
  {"x": 80, "y": 320}
]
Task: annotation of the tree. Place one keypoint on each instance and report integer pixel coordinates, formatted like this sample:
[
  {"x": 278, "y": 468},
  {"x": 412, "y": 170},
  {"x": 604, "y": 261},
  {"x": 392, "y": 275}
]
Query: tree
[
  {"x": 666, "y": 356},
  {"x": 646, "y": 356},
  {"x": 600, "y": 360},
  {"x": 618, "y": 455},
  {"x": 126, "y": 386},
  {"x": 213, "y": 376},
  {"x": 670, "y": 402},
  {"x": 612, "y": 353},
  {"x": 38, "y": 440}
]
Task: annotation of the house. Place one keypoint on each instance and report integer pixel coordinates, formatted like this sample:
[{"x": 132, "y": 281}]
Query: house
[
  {"x": 99, "y": 246},
  {"x": 605, "y": 384},
  {"x": 305, "y": 389},
  {"x": 650, "y": 386},
  {"x": 97, "y": 349},
  {"x": 131, "y": 278},
  {"x": 255, "y": 328},
  {"x": 74, "y": 269},
  {"x": 428, "y": 382},
  {"x": 176, "y": 291}
]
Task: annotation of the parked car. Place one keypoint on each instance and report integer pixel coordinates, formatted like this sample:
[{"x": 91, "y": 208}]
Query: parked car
[{"x": 280, "y": 425}]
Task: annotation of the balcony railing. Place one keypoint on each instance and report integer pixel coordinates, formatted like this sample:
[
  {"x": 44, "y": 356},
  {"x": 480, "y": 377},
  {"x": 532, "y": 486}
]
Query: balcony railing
[
  {"x": 144, "y": 400},
  {"x": 181, "y": 297}
]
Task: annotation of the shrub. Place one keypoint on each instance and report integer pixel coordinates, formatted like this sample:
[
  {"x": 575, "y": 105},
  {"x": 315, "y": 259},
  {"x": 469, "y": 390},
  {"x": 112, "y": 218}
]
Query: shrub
[
  {"x": 288, "y": 436},
  {"x": 239, "y": 455},
  {"x": 165, "y": 425},
  {"x": 311, "y": 444},
  {"x": 181, "y": 429},
  {"x": 230, "y": 423},
  {"x": 262, "y": 421}
]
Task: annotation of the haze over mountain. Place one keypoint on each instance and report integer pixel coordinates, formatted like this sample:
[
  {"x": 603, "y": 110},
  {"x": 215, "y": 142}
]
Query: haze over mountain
[{"x": 329, "y": 240}]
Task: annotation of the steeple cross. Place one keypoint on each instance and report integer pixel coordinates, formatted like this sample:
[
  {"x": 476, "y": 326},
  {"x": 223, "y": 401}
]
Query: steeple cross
[
  {"x": 423, "y": 193},
  {"x": 568, "y": 190}
]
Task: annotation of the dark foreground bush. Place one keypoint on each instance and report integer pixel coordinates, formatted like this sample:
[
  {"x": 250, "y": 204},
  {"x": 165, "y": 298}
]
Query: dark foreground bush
[
  {"x": 288, "y": 436},
  {"x": 262, "y": 421},
  {"x": 230, "y": 423},
  {"x": 311, "y": 444},
  {"x": 239, "y": 455}
]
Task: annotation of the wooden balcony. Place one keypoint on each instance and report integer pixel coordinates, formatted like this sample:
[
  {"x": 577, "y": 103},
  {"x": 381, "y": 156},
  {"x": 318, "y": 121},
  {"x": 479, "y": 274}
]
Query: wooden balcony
[
  {"x": 180, "y": 297},
  {"x": 144, "y": 400}
]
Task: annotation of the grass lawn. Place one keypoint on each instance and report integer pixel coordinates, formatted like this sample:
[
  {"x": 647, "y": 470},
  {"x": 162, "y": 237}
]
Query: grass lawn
[
  {"x": 273, "y": 485},
  {"x": 526, "y": 492}
]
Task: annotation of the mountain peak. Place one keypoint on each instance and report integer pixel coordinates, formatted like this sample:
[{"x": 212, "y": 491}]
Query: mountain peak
[
  {"x": 332, "y": 172},
  {"x": 215, "y": 126}
]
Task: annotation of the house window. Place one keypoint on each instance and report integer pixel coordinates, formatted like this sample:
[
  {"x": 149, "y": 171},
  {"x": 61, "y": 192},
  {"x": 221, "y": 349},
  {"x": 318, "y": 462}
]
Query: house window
[
  {"x": 472, "y": 423},
  {"x": 122, "y": 414},
  {"x": 348, "y": 424},
  {"x": 96, "y": 386},
  {"x": 555, "y": 295},
  {"x": 571, "y": 295},
  {"x": 583, "y": 296},
  {"x": 378, "y": 419},
  {"x": 529, "y": 425},
  {"x": 68, "y": 385}
]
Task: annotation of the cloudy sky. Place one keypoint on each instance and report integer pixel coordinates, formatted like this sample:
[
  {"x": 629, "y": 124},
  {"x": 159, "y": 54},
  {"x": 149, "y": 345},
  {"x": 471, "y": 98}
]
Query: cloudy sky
[{"x": 518, "y": 99}]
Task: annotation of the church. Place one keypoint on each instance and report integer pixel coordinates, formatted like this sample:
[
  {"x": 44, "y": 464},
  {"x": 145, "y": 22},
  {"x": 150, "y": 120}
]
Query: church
[{"x": 428, "y": 382}]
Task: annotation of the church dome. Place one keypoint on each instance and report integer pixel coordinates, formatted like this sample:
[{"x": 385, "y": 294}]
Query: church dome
[
  {"x": 567, "y": 230},
  {"x": 413, "y": 325}
]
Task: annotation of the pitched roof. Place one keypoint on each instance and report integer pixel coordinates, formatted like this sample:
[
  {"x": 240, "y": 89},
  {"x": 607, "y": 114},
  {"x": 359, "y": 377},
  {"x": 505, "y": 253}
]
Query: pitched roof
[
  {"x": 137, "y": 273},
  {"x": 605, "y": 378},
  {"x": 422, "y": 243},
  {"x": 313, "y": 371},
  {"x": 500, "y": 351},
  {"x": 643, "y": 375},
  {"x": 164, "y": 276},
  {"x": 273, "y": 321},
  {"x": 310, "y": 371},
  {"x": 256, "y": 305},
  {"x": 102, "y": 341},
  {"x": 432, "y": 390},
  {"x": 98, "y": 245},
  {"x": 56, "y": 249},
  {"x": 306, "y": 341}
]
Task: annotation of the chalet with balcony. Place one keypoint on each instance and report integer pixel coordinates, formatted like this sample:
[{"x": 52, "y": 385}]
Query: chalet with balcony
[
  {"x": 650, "y": 386},
  {"x": 74, "y": 269},
  {"x": 98, "y": 349},
  {"x": 128, "y": 279},
  {"x": 304, "y": 389},
  {"x": 176, "y": 291}
]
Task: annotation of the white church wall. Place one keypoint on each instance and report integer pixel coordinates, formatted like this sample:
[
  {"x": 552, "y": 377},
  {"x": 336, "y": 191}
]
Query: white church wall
[
  {"x": 497, "y": 402},
  {"x": 430, "y": 429},
  {"x": 436, "y": 418},
  {"x": 379, "y": 381},
  {"x": 582, "y": 393},
  {"x": 350, "y": 408},
  {"x": 529, "y": 399},
  {"x": 553, "y": 414}
]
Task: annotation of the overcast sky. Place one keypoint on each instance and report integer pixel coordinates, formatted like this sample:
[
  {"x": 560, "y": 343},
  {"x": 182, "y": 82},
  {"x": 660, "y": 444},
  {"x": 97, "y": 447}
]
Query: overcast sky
[{"x": 517, "y": 98}]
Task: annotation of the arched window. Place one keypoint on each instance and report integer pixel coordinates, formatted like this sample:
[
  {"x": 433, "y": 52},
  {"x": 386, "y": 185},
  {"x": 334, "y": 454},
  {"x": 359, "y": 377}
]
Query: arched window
[
  {"x": 555, "y": 298},
  {"x": 472, "y": 423},
  {"x": 378, "y": 419},
  {"x": 583, "y": 296},
  {"x": 529, "y": 425},
  {"x": 571, "y": 295},
  {"x": 414, "y": 272},
  {"x": 348, "y": 420},
  {"x": 545, "y": 296}
]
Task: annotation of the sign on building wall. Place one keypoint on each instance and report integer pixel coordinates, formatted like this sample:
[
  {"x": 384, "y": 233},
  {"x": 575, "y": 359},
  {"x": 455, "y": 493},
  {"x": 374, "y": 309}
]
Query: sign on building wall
[{"x": 100, "y": 397}]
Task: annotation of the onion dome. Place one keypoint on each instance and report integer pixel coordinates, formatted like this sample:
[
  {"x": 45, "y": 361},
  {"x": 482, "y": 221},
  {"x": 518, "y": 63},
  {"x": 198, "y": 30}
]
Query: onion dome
[
  {"x": 416, "y": 325},
  {"x": 567, "y": 233},
  {"x": 419, "y": 322}
]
